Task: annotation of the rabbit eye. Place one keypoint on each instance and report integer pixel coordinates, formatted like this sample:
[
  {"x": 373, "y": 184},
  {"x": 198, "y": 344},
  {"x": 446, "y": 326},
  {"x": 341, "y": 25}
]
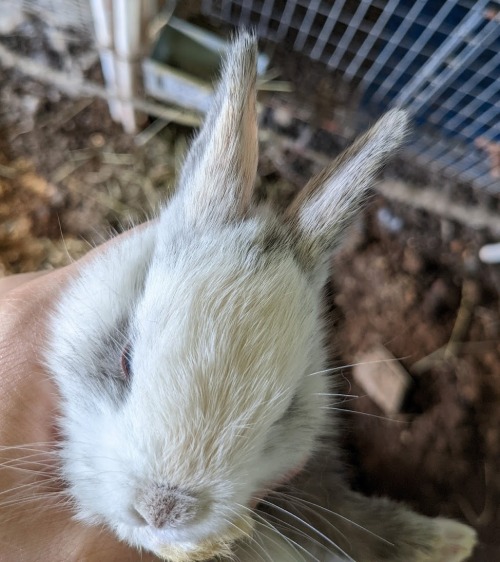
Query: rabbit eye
[{"x": 126, "y": 360}]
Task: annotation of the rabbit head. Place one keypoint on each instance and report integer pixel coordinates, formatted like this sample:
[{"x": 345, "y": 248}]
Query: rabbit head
[{"x": 189, "y": 354}]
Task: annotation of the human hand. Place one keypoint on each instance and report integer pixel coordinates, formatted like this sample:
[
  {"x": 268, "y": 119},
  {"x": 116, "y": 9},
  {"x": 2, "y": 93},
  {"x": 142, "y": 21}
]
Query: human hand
[{"x": 35, "y": 513}]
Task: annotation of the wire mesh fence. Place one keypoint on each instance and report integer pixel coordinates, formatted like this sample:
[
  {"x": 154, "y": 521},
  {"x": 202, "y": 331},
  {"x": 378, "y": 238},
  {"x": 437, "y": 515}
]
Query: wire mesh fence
[{"x": 440, "y": 60}]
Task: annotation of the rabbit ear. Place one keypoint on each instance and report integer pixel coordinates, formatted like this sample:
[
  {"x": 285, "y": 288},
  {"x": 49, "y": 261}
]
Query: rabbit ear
[
  {"x": 329, "y": 202},
  {"x": 219, "y": 172}
]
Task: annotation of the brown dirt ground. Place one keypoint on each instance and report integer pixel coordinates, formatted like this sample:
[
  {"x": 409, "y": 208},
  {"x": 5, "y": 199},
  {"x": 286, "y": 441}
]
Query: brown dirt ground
[
  {"x": 441, "y": 453},
  {"x": 65, "y": 168}
]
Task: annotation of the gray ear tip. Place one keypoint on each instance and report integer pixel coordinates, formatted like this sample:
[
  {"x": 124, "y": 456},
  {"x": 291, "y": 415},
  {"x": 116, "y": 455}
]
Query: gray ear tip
[
  {"x": 244, "y": 41},
  {"x": 395, "y": 123},
  {"x": 246, "y": 35},
  {"x": 240, "y": 64}
]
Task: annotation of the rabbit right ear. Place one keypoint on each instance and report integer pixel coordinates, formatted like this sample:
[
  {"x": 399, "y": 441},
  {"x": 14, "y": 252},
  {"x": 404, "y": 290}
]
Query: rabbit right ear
[
  {"x": 218, "y": 176},
  {"x": 329, "y": 202}
]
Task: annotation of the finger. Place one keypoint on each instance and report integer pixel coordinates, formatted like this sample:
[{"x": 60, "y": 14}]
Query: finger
[{"x": 13, "y": 281}]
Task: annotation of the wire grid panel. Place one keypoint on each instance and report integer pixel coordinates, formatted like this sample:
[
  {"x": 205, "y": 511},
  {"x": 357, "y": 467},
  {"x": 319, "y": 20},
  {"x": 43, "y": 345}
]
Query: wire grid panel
[{"x": 440, "y": 60}]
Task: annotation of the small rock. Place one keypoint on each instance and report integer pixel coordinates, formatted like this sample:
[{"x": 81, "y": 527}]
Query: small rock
[
  {"x": 37, "y": 185},
  {"x": 413, "y": 262},
  {"x": 97, "y": 140},
  {"x": 456, "y": 246},
  {"x": 283, "y": 116},
  {"x": 30, "y": 103},
  {"x": 442, "y": 298},
  {"x": 383, "y": 379},
  {"x": 388, "y": 220}
]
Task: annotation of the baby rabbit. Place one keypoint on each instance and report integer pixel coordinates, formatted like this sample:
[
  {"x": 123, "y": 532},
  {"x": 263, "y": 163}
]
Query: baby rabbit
[{"x": 190, "y": 363}]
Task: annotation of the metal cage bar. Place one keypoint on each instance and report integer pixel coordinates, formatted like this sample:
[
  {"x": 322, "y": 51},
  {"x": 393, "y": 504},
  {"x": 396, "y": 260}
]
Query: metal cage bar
[{"x": 438, "y": 59}]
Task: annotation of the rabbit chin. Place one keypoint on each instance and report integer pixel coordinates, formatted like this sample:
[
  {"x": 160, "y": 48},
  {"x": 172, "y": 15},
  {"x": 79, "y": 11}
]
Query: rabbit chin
[{"x": 162, "y": 541}]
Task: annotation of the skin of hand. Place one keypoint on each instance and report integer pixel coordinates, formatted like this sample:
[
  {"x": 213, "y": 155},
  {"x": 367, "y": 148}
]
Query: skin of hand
[{"x": 36, "y": 521}]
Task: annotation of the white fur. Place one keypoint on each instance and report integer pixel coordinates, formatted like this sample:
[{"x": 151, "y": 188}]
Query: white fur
[{"x": 219, "y": 351}]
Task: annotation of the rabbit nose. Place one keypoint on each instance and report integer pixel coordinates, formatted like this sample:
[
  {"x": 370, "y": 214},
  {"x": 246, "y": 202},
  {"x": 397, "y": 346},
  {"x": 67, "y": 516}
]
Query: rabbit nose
[{"x": 162, "y": 506}]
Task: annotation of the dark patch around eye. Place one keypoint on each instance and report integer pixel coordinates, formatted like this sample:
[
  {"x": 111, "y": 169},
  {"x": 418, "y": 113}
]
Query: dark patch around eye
[
  {"x": 94, "y": 365},
  {"x": 110, "y": 364}
]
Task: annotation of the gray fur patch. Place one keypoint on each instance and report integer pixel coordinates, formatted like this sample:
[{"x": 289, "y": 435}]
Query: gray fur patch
[{"x": 102, "y": 373}]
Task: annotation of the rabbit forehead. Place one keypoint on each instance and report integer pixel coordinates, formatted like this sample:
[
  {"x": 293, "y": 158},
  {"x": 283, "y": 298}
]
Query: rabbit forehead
[
  {"x": 232, "y": 287},
  {"x": 227, "y": 315},
  {"x": 230, "y": 339}
]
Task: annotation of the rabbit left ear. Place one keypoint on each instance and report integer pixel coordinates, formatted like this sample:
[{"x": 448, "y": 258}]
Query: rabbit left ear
[
  {"x": 327, "y": 205},
  {"x": 218, "y": 175}
]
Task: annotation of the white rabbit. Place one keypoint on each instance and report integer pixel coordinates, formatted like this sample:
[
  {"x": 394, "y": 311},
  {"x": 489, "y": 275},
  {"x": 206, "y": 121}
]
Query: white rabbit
[{"x": 189, "y": 360}]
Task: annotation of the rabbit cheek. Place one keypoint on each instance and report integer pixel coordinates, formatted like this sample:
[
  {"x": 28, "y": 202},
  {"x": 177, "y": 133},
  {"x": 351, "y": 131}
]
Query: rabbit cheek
[
  {"x": 290, "y": 474},
  {"x": 263, "y": 492}
]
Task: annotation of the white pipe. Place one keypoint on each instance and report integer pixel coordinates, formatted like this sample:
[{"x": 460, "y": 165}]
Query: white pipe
[
  {"x": 103, "y": 28},
  {"x": 490, "y": 253},
  {"x": 127, "y": 27},
  {"x": 127, "y": 43}
]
